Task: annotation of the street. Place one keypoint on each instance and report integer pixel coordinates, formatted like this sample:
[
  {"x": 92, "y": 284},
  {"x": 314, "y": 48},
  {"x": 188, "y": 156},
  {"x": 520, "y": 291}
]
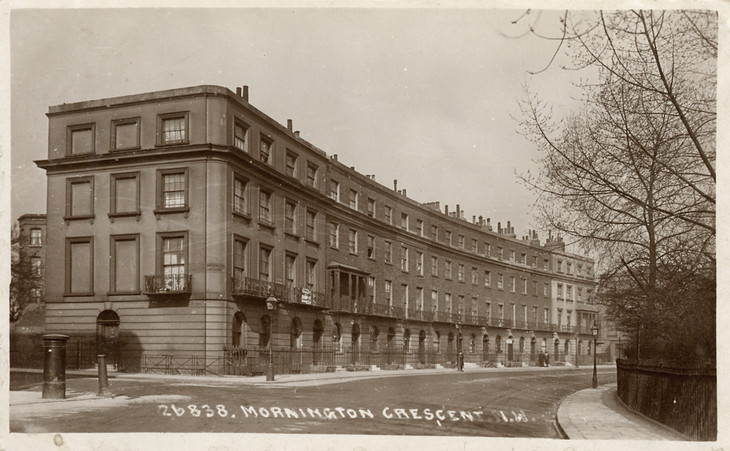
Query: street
[{"x": 512, "y": 403}]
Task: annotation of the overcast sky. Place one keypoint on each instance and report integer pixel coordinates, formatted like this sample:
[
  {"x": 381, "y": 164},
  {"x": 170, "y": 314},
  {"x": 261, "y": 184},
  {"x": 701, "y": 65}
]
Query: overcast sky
[{"x": 425, "y": 96}]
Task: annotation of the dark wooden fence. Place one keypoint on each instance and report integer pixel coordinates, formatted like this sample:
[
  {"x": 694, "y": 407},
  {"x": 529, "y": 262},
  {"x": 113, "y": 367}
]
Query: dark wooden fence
[{"x": 680, "y": 395}]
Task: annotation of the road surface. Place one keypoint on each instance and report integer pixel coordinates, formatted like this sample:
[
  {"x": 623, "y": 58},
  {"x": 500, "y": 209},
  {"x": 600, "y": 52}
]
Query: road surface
[{"x": 513, "y": 403}]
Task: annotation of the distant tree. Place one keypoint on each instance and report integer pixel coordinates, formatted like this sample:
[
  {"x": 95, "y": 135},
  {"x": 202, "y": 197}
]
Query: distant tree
[
  {"x": 632, "y": 174},
  {"x": 24, "y": 277}
]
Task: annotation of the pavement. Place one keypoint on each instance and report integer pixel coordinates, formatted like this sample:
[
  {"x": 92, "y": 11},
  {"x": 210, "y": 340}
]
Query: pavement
[
  {"x": 599, "y": 414},
  {"x": 590, "y": 414}
]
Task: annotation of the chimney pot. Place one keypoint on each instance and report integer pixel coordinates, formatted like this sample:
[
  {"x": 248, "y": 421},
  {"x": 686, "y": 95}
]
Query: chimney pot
[
  {"x": 289, "y": 124},
  {"x": 446, "y": 210},
  {"x": 404, "y": 191},
  {"x": 296, "y": 133},
  {"x": 395, "y": 184},
  {"x": 238, "y": 91},
  {"x": 245, "y": 93},
  {"x": 458, "y": 210}
]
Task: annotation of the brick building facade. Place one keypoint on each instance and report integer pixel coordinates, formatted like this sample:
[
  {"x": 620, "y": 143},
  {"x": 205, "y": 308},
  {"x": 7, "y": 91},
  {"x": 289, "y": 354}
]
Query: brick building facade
[{"x": 185, "y": 210}]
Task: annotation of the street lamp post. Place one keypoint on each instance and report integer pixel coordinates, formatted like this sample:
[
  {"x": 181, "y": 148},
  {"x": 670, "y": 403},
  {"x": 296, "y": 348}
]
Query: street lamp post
[
  {"x": 459, "y": 356},
  {"x": 271, "y": 304},
  {"x": 594, "y": 330}
]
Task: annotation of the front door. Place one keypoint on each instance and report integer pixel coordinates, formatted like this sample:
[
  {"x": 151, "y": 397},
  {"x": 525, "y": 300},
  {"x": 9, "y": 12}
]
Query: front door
[{"x": 107, "y": 337}]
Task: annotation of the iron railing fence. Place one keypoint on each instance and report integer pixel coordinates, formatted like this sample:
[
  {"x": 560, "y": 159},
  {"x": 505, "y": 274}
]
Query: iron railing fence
[
  {"x": 681, "y": 395},
  {"x": 252, "y": 361}
]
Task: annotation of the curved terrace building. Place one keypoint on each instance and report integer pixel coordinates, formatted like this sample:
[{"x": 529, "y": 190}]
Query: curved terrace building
[{"x": 189, "y": 231}]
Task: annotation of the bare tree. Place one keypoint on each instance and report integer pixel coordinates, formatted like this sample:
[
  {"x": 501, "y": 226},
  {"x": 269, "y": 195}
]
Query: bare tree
[{"x": 632, "y": 174}]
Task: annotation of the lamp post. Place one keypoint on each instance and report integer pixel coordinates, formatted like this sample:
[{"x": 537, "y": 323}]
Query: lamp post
[
  {"x": 271, "y": 304},
  {"x": 594, "y": 331},
  {"x": 459, "y": 356}
]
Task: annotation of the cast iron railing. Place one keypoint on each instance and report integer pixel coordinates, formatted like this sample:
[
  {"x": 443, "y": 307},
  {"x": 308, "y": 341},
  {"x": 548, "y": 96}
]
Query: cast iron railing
[{"x": 168, "y": 284}]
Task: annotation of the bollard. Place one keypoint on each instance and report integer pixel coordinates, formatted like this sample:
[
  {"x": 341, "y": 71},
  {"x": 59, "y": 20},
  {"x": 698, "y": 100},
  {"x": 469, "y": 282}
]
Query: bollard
[
  {"x": 103, "y": 378},
  {"x": 54, "y": 366}
]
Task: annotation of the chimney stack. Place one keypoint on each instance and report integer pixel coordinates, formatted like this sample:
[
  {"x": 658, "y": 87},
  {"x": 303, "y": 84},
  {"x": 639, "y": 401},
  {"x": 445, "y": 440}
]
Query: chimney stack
[
  {"x": 245, "y": 93},
  {"x": 334, "y": 156},
  {"x": 395, "y": 185},
  {"x": 446, "y": 210},
  {"x": 404, "y": 191},
  {"x": 499, "y": 228},
  {"x": 238, "y": 91},
  {"x": 458, "y": 211},
  {"x": 296, "y": 133},
  {"x": 289, "y": 124}
]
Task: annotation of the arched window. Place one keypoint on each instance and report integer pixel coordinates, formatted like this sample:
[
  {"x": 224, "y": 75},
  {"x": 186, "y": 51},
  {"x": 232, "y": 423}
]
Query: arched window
[
  {"x": 437, "y": 341},
  {"x": 355, "y": 336},
  {"x": 498, "y": 344},
  {"x": 407, "y": 340},
  {"x": 238, "y": 329},
  {"x": 522, "y": 345},
  {"x": 473, "y": 343},
  {"x": 391, "y": 337},
  {"x": 374, "y": 335},
  {"x": 296, "y": 334},
  {"x": 107, "y": 337},
  {"x": 337, "y": 337},
  {"x": 485, "y": 346},
  {"x": 317, "y": 331}
]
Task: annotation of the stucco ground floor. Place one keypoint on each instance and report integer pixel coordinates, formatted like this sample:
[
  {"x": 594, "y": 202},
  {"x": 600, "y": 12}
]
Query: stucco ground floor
[{"x": 244, "y": 335}]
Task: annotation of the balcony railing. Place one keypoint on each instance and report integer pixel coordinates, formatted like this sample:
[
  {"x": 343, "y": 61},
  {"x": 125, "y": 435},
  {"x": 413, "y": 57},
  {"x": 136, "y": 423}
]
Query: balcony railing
[
  {"x": 381, "y": 310},
  {"x": 420, "y": 315},
  {"x": 258, "y": 288},
  {"x": 168, "y": 284},
  {"x": 306, "y": 296},
  {"x": 246, "y": 286}
]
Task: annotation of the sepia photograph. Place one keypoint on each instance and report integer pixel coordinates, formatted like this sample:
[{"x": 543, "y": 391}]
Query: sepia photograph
[{"x": 385, "y": 225}]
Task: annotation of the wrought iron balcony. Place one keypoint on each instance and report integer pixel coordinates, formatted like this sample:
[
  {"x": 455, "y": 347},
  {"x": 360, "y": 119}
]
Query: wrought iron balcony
[
  {"x": 420, "y": 315},
  {"x": 168, "y": 284},
  {"x": 398, "y": 312},
  {"x": 306, "y": 296},
  {"x": 245, "y": 286},
  {"x": 381, "y": 310}
]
